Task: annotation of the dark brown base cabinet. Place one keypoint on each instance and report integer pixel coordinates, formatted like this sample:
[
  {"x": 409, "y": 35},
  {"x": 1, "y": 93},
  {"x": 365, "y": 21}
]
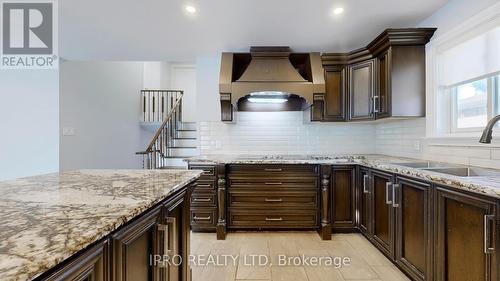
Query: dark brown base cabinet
[
  {"x": 343, "y": 198},
  {"x": 466, "y": 231},
  {"x": 127, "y": 253},
  {"x": 431, "y": 232},
  {"x": 413, "y": 222}
]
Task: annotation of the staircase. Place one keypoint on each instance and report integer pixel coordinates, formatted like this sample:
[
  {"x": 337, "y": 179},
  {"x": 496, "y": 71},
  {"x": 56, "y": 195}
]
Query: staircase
[{"x": 174, "y": 140}]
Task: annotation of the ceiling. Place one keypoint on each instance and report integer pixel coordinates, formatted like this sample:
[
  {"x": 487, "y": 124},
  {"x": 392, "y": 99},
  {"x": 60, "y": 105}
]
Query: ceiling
[{"x": 162, "y": 30}]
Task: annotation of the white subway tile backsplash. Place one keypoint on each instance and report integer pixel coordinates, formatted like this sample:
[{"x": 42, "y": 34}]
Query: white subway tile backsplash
[{"x": 285, "y": 133}]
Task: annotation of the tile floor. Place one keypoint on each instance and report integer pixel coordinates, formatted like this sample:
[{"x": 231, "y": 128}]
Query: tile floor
[{"x": 366, "y": 262}]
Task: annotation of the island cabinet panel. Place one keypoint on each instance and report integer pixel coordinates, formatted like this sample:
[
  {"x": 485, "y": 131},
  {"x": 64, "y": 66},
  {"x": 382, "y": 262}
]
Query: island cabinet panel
[
  {"x": 132, "y": 248},
  {"x": 361, "y": 90},
  {"x": 412, "y": 203},
  {"x": 204, "y": 200},
  {"x": 92, "y": 265},
  {"x": 151, "y": 246},
  {"x": 272, "y": 196},
  {"x": 343, "y": 198},
  {"x": 382, "y": 211},
  {"x": 466, "y": 233}
]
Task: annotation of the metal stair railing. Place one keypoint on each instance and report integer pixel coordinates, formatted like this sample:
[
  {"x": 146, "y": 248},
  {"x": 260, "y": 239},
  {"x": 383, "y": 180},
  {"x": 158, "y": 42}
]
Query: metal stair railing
[{"x": 157, "y": 103}]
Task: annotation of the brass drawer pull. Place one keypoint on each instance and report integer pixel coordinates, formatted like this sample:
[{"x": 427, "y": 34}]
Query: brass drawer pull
[
  {"x": 274, "y": 219},
  {"x": 274, "y": 200},
  {"x": 202, "y": 199},
  {"x": 273, "y": 170},
  {"x": 202, "y": 218},
  {"x": 274, "y": 183}
]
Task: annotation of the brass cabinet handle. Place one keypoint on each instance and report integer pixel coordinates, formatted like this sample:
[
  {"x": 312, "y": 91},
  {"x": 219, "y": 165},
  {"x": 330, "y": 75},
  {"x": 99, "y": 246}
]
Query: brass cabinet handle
[
  {"x": 274, "y": 200},
  {"x": 202, "y": 218},
  {"x": 488, "y": 221},
  {"x": 394, "y": 197},
  {"x": 365, "y": 185},
  {"x": 387, "y": 193},
  {"x": 274, "y": 219},
  {"x": 202, "y": 199},
  {"x": 273, "y": 169},
  {"x": 274, "y": 183}
]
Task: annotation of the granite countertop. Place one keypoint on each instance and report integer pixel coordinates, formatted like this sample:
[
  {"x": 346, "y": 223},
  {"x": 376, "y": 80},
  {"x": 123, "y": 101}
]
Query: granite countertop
[
  {"x": 486, "y": 185},
  {"x": 48, "y": 218}
]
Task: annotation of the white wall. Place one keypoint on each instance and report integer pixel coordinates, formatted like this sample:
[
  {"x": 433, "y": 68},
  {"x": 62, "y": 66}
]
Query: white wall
[
  {"x": 183, "y": 77},
  {"x": 29, "y": 110},
  {"x": 284, "y": 133},
  {"x": 100, "y": 100},
  {"x": 207, "y": 85}
]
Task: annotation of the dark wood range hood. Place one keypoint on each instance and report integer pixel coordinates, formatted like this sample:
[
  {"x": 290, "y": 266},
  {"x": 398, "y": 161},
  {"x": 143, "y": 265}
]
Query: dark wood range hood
[{"x": 267, "y": 70}]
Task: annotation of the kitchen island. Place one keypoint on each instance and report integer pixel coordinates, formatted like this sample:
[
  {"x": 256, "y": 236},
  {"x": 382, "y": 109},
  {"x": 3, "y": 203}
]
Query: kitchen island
[{"x": 98, "y": 223}]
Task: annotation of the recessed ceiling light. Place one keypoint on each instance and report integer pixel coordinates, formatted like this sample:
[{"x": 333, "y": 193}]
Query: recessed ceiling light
[
  {"x": 190, "y": 9},
  {"x": 338, "y": 11}
]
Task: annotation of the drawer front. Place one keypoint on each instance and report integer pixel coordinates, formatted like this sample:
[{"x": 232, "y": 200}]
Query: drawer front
[
  {"x": 203, "y": 200},
  {"x": 208, "y": 170},
  {"x": 272, "y": 219},
  {"x": 274, "y": 184},
  {"x": 204, "y": 186},
  {"x": 203, "y": 217},
  {"x": 295, "y": 200},
  {"x": 273, "y": 170}
]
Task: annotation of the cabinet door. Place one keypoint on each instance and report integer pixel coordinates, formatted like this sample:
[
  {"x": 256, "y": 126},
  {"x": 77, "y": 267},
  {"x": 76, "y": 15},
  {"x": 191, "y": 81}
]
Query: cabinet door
[
  {"x": 466, "y": 237},
  {"x": 382, "y": 98},
  {"x": 361, "y": 88},
  {"x": 413, "y": 227},
  {"x": 364, "y": 191},
  {"x": 382, "y": 212},
  {"x": 132, "y": 248},
  {"x": 343, "y": 199},
  {"x": 334, "y": 100}
]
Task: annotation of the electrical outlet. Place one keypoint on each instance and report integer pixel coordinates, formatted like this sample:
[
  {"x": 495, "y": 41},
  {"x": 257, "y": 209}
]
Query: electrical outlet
[
  {"x": 68, "y": 131},
  {"x": 416, "y": 145}
]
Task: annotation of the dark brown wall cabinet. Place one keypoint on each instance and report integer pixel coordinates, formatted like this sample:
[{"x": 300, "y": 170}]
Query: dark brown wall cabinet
[
  {"x": 384, "y": 79},
  {"x": 333, "y": 107},
  {"x": 466, "y": 234},
  {"x": 361, "y": 90}
]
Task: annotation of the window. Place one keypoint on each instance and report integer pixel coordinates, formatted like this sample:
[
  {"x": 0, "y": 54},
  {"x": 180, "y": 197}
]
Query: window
[{"x": 474, "y": 103}]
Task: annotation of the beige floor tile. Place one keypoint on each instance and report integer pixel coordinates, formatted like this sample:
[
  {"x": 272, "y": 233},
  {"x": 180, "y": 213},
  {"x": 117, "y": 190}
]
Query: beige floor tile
[
  {"x": 367, "y": 263},
  {"x": 367, "y": 251},
  {"x": 288, "y": 273},
  {"x": 390, "y": 273}
]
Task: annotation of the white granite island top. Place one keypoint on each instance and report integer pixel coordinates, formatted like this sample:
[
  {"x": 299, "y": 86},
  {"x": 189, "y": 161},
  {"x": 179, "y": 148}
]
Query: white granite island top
[
  {"x": 486, "y": 185},
  {"x": 46, "y": 219}
]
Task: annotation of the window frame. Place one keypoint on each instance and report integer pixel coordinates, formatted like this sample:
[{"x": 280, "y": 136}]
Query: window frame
[{"x": 493, "y": 98}]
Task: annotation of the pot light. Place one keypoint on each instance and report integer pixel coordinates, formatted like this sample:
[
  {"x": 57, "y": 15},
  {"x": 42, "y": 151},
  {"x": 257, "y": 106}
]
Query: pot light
[
  {"x": 338, "y": 11},
  {"x": 190, "y": 9}
]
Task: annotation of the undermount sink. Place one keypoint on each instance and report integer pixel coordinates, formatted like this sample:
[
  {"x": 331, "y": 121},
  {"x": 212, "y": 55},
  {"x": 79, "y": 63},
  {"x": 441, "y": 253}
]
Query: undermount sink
[
  {"x": 465, "y": 171},
  {"x": 422, "y": 165}
]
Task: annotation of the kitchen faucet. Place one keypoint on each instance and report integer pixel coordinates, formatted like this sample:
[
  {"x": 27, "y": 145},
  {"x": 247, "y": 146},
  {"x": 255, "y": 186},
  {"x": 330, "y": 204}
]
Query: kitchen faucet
[{"x": 486, "y": 137}]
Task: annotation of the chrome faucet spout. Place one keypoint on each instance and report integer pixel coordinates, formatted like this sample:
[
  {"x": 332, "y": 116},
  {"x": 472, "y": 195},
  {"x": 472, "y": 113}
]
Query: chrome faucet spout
[{"x": 488, "y": 131}]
